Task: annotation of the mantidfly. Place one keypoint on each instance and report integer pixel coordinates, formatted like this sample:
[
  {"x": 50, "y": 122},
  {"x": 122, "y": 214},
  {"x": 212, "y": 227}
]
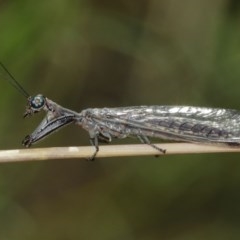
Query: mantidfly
[
  {"x": 178, "y": 123},
  {"x": 58, "y": 116}
]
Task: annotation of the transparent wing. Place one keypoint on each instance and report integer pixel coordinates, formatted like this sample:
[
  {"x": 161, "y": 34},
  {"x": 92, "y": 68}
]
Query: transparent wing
[{"x": 182, "y": 123}]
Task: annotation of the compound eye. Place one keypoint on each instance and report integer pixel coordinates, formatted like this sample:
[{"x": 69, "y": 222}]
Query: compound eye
[{"x": 38, "y": 102}]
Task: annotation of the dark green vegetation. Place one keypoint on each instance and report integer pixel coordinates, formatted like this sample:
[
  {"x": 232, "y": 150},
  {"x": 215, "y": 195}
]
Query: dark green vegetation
[{"x": 116, "y": 53}]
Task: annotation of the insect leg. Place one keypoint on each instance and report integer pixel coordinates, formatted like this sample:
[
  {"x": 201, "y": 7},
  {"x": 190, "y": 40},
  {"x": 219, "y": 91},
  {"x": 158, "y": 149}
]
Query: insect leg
[
  {"x": 94, "y": 142},
  {"x": 104, "y": 137},
  {"x": 96, "y": 137},
  {"x": 145, "y": 140},
  {"x": 47, "y": 127}
]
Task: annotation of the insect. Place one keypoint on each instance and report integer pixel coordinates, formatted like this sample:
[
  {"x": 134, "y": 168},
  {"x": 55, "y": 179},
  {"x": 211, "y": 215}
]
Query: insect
[{"x": 177, "y": 123}]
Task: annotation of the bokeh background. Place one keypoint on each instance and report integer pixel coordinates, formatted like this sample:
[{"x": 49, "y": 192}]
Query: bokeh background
[{"x": 117, "y": 53}]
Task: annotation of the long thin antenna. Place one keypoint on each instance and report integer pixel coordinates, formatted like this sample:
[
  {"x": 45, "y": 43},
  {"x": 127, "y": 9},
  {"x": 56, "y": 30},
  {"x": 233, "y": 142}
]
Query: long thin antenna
[{"x": 4, "y": 73}]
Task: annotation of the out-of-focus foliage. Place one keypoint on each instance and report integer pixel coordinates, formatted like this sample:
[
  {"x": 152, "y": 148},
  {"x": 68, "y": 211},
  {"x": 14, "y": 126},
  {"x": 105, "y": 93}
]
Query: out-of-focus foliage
[{"x": 116, "y": 53}]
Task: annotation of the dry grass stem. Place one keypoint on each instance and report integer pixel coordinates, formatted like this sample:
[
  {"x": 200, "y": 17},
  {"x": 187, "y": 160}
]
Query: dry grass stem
[{"x": 39, "y": 154}]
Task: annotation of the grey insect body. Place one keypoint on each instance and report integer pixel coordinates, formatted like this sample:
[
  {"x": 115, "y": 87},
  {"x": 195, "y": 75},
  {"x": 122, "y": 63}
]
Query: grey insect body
[{"x": 177, "y": 123}]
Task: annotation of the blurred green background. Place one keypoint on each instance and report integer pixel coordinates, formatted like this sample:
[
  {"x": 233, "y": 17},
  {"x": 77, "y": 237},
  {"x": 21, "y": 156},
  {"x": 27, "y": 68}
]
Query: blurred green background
[{"x": 117, "y": 53}]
